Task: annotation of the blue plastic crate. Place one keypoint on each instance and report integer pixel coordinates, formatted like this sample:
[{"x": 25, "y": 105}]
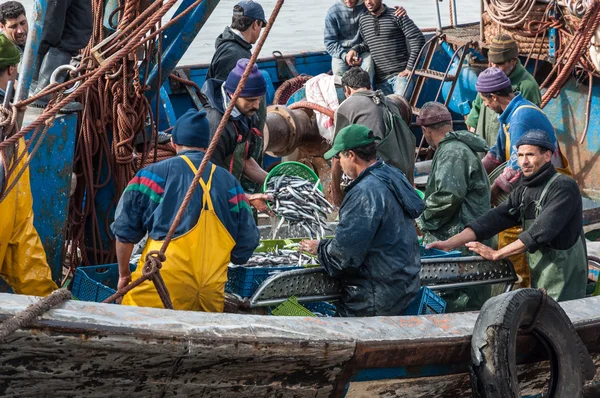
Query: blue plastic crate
[
  {"x": 244, "y": 281},
  {"x": 436, "y": 253},
  {"x": 96, "y": 282},
  {"x": 426, "y": 302}
]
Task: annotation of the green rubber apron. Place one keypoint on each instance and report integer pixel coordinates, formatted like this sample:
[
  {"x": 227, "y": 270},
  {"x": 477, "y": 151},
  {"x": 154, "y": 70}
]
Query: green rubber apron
[{"x": 563, "y": 273}]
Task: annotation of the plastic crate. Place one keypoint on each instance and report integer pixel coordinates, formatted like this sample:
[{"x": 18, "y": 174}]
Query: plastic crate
[
  {"x": 291, "y": 307},
  {"x": 426, "y": 302},
  {"x": 244, "y": 281},
  {"x": 436, "y": 253},
  {"x": 96, "y": 282}
]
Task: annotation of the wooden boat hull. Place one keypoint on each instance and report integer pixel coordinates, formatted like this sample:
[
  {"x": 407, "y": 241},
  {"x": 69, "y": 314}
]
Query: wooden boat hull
[{"x": 96, "y": 350}]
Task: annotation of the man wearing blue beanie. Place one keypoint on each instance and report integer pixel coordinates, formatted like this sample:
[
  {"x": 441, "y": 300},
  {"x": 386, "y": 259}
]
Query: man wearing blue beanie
[
  {"x": 217, "y": 228},
  {"x": 241, "y": 135}
]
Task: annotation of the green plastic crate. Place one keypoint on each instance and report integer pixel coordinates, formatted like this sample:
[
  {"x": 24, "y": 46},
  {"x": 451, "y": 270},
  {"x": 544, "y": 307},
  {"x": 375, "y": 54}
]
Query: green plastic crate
[{"x": 291, "y": 307}]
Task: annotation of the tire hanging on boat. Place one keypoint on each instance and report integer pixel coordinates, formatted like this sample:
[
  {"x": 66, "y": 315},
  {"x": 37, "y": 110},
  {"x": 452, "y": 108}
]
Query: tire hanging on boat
[{"x": 493, "y": 345}]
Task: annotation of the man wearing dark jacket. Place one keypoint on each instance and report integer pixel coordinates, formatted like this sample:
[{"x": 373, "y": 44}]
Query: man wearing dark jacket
[
  {"x": 241, "y": 135},
  {"x": 375, "y": 252},
  {"x": 236, "y": 41},
  {"x": 548, "y": 205}
]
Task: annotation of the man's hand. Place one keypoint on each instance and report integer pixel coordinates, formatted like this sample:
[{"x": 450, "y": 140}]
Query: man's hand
[
  {"x": 404, "y": 73},
  {"x": 400, "y": 12},
  {"x": 259, "y": 202},
  {"x": 441, "y": 245},
  {"x": 484, "y": 251},
  {"x": 123, "y": 282},
  {"x": 352, "y": 58},
  {"x": 309, "y": 246}
]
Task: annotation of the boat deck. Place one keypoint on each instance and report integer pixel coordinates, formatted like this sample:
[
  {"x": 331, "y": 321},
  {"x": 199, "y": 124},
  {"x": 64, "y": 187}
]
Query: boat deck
[{"x": 463, "y": 34}]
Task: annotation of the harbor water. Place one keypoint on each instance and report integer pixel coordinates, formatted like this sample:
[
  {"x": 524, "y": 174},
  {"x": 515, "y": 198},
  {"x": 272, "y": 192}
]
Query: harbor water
[{"x": 300, "y": 24}]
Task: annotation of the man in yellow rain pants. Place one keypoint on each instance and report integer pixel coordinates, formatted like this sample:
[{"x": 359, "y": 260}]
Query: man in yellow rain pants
[
  {"x": 22, "y": 258},
  {"x": 217, "y": 228}
]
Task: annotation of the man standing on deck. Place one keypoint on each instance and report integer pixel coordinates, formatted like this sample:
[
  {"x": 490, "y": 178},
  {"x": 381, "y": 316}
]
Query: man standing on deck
[
  {"x": 217, "y": 228},
  {"x": 341, "y": 34},
  {"x": 13, "y": 23},
  {"x": 236, "y": 41},
  {"x": 241, "y": 133},
  {"x": 548, "y": 205},
  {"x": 458, "y": 189},
  {"x": 394, "y": 44},
  {"x": 372, "y": 109},
  {"x": 22, "y": 258},
  {"x": 375, "y": 252},
  {"x": 503, "y": 54}
]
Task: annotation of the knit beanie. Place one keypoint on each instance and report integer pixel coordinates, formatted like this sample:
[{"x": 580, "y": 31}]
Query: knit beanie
[
  {"x": 502, "y": 49},
  {"x": 537, "y": 138},
  {"x": 192, "y": 129},
  {"x": 491, "y": 80},
  {"x": 256, "y": 85},
  {"x": 9, "y": 53}
]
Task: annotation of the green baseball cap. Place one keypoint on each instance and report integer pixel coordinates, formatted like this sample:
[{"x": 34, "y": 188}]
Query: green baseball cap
[
  {"x": 350, "y": 137},
  {"x": 9, "y": 53}
]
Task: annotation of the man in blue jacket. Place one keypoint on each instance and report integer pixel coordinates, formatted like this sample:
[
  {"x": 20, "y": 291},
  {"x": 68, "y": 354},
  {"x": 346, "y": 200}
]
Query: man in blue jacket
[
  {"x": 375, "y": 252},
  {"x": 217, "y": 228}
]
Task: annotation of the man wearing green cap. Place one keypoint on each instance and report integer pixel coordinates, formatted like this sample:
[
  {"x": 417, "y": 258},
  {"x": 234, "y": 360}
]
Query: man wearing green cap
[
  {"x": 22, "y": 258},
  {"x": 375, "y": 252},
  {"x": 503, "y": 54}
]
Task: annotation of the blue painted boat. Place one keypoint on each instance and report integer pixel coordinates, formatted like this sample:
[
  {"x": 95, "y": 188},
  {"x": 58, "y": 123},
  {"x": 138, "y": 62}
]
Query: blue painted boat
[{"x": 97, "y": 350}]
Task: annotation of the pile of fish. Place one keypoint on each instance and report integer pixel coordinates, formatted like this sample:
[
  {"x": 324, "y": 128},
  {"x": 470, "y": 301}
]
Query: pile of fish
[
  {"x": 280, "y": 257},
  {"x": 299, "y": 202}
]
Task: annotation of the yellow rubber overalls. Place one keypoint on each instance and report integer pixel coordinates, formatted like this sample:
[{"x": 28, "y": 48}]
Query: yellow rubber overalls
[
  {"x": 195, "y": 271},
  {"x": 22, "y": 258},
  {"x": 510, "y": 235}
]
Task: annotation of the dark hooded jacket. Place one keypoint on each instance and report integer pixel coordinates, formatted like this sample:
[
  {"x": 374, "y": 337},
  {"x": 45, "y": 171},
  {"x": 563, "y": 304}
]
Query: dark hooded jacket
[
  {"x": 375, "y": 252},
  {"x": 237, "y": 124},
  {"x": 230, "y": 48}
]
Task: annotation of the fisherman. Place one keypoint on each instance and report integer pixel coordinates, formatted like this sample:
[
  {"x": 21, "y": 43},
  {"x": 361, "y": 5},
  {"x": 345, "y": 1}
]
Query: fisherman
[
  {"x": 394, "y": 44},
  {"x": 516, "y": 117},
  {"x": 548, "y": 205},
  {"x": 341, "y": 34},
  {"x": 375, "y": 252},
  {"x": 13, "y": 22},
  {"x": 372, "y": 109},
  {"x": 22, "y": 258},
  {"x": 68, "y": 26},
  {"x": 503, "y": 54},
  {"x": 217, "y": 228},
  {"x": 241, "y": 134},
  {"x": 458, "y": 189}
]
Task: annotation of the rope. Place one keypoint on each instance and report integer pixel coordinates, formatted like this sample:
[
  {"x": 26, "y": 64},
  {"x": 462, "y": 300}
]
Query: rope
[
  {"x": 29, "y": 314},
  {"x": 509, "y": 13},
  {"x": 315, "y": 107},
  {"x": 155, "y": 259},
  {"x": 288, "y": 88}
]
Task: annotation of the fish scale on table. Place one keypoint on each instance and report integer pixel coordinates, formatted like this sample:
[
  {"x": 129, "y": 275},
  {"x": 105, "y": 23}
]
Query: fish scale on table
[{"x": 299, "y": 202}]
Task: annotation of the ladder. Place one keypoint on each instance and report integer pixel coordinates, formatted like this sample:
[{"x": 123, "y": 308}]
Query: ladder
[{"x": 426, "y": 72}]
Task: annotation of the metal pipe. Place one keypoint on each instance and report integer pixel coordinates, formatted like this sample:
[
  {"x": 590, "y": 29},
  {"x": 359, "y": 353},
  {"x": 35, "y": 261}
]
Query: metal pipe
[
  {"x": 439, "y": 17},
  {"x": 481, "y": 27},
  {"x": 287, "y": 130},
  {"x": 176, "y": 45},
  {"x": 32, "y": 46},
  {"x": 454, "y": 12}
]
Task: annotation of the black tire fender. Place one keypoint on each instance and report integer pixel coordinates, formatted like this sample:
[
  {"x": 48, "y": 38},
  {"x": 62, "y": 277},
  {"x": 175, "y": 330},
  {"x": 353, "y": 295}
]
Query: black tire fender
[{"x": 493, "y": 345}]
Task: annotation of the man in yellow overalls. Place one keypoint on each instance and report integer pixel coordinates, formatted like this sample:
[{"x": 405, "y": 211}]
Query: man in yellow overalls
[
  {"x": 217, "y": 228},
  {"x": 22, "y": 258},
  {"x": 516, "y": 116}
]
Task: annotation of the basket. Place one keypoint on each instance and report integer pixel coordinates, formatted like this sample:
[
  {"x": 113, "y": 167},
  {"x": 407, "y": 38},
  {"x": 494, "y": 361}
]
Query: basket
[
  {"x": 291, "y": 307},
  {"x": 420, "y": 193},
  {"x": 244, "y": 281},
  {"x": 426, "y": 302},
  {"x": 97, "y": 282},
  {"x": 436, "y": 253},
  {"x": 295, "y": 169},
  {"x": 503, "y": 196}
]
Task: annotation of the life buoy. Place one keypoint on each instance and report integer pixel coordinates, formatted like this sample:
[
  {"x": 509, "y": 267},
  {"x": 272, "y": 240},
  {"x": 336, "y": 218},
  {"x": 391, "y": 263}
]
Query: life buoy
[{"x": 494, "y": 367}]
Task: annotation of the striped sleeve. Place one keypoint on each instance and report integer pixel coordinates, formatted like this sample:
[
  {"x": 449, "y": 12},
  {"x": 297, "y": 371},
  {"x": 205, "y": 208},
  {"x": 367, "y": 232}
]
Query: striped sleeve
[{"x": 414, "y": 37}]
